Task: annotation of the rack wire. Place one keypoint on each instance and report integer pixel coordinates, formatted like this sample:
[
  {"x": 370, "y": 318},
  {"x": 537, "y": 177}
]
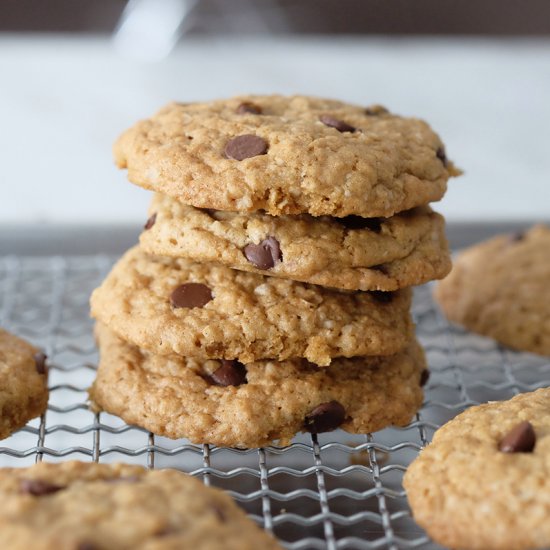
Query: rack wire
[{"x": 330, "y": 491}]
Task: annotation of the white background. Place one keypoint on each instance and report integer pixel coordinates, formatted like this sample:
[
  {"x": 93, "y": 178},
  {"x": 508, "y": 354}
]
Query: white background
[{"x": 63, "y": 101}]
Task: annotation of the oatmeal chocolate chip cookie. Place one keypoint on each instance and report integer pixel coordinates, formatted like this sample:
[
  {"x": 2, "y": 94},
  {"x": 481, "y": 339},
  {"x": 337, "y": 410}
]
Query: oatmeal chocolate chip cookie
[
  {"x": 351, "y": 253},
  {"x": 23, "y": 383},
  {"x": 86, "y": 506},
  {"x": 484, "y": 481},
  {"x": 176, "y": 306},
  {"x": 500, "y": 288},
  {"x": 230, "y": 404},
  {"x": 287, "y": 155}
]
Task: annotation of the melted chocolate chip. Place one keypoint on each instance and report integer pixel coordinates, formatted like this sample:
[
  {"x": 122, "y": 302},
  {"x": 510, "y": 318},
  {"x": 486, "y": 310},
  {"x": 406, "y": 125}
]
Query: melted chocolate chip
[
  {"x": 520, "y": 439},
  {"x": 376, "y": 110},
  {"x": 516, "y": 237},
  {"x": 340, "y": 125},
  {"x": 424, "y": 377},
  {"x": 164, "y": 531},
  {"x": 38, "y": 487},
  {"x": 325, "y": 417},
  {"x": 243, "y": 147},
  {"x": 440, "y": 154},
  {"x": 150, "y": 222},
  {"x": 247, "y": 107},
  {"x": 382, "y": 296},
  {"x": 40, "y": 362},
  {"x": 191, "y": 295},
  {"x": 264, "y": 255},
  {"x": 231, "y": 373},
  {"x": 357, "y": 222}
]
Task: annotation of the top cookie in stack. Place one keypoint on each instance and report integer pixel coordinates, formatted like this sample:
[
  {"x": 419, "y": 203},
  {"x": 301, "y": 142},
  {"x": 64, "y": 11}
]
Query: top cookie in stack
[
  {"x": 287, "y": 155},
  {"x": 338, "y": 170},
  {"x": 268, "y": 212}
]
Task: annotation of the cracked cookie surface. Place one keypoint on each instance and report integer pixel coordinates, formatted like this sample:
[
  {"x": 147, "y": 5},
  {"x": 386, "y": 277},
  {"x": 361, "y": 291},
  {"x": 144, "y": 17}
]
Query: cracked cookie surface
[
  {"x": 467, "y": 493},
  {"x": 266, "y": 400},
  {"x": 87, "y": 506},
  {"x": 23, "y": 383},
  {"x": 288, "y": 155},
  {"x": 350, "y": 253},
  {"x": 500, "y": 289},
  {"x": 208, "y": 311}
]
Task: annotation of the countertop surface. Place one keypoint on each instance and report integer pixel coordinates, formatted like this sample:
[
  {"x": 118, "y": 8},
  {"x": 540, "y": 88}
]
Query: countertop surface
[{"x": 63, "y": 101}]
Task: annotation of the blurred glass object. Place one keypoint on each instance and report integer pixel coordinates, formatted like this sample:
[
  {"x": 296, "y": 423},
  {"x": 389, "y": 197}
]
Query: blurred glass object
[{"x": 149, "y": 29}]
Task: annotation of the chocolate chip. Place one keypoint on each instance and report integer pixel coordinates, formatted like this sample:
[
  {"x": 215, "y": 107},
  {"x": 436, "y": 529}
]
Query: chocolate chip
[
  {"x": 243, "y": 147},
  {"x": 264, "y": 255},
  {"x": 191, "y": 295},
  {"x": 517, "y": 237},
  {"x": 376, "y": 110},
  {"x": 150, "y": 222},
  {"x": 382, "y": 296},
  {"x": 357, "y": 222},
  {"x": 424, "y": 377},
  {"x": 520, "y": 439},
  {"x": 440, "y": 154},
  {"x": 164, "y": 531},
  {"x": 325, "y": 417},
  {"x": 38, "y": 487},
  {"x": 247, "y": 107},
  {"x": 340, "y": 125},
  {"x": 40, "y": 362},
  {"x": 231, "y": 373},
  {"x": 86, "y": 546}
]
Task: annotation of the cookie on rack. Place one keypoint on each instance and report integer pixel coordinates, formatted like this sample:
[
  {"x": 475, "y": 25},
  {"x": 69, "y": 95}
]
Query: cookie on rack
[
  {"x": 87, "y": 506},
  {"x": 23, "y": 383},
  {"x": 177, "y": 306},
  {"x": 500, "y": 288},
  {"x": 287, "y": 155},
  {"x": 227, "y": 403},
  {"x": 351, "y": 253},
  {"x": 484, "y": 481}
]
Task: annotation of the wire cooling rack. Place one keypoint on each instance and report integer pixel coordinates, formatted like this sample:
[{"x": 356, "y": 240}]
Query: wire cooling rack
[{"x": 332, "y": 491}]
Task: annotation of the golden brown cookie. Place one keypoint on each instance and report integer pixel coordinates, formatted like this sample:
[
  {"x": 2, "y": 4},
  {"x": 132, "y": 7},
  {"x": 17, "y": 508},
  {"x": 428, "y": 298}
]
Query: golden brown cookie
[
  {"x": 500, "y": 288},
  {"x": 351, "y": 253},
  {"x": 484, "y": 481},
  {"x": 287, "y": 155},
  {"x": 86, "y": 506},
  {"x": 230, "y": 404},
  {"x": 175, "y": 306},
  {"x": 23, "y": 383}
]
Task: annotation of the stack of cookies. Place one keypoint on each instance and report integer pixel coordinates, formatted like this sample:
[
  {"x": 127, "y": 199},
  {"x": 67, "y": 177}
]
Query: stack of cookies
[{"x": 269, "y": 293}]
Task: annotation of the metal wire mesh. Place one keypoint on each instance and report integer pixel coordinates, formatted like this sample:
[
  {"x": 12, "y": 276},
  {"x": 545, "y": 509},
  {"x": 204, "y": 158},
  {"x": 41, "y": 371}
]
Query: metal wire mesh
[{"x": 332, "y": 491}]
